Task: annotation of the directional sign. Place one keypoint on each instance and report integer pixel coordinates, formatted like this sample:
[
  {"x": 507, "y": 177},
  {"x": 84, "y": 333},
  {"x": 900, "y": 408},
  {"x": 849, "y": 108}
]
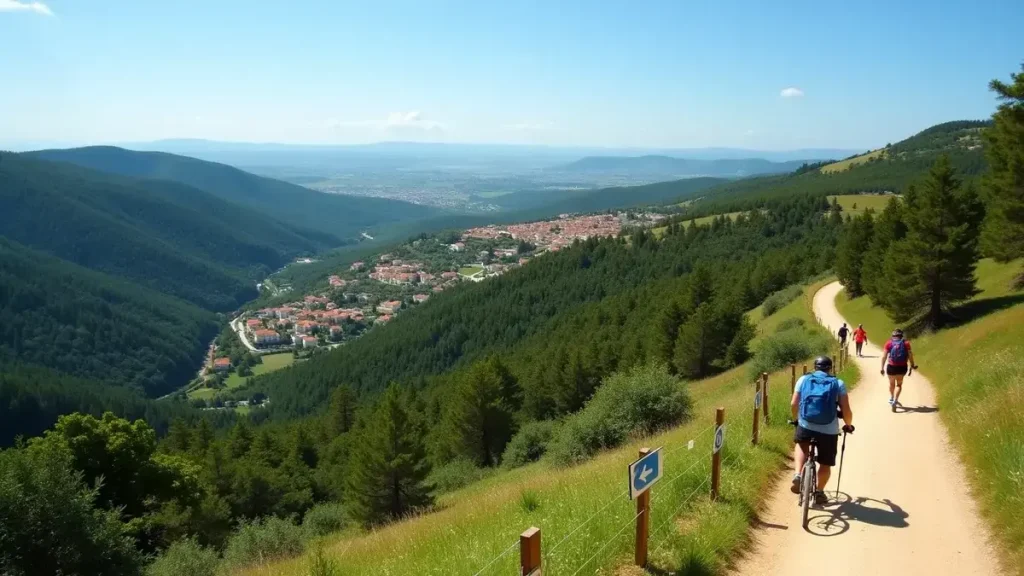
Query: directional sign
[
  {"x": 719, "y": 439},
  {"x": 757, "y": 400},
  {"x": 644, "y": 473}
]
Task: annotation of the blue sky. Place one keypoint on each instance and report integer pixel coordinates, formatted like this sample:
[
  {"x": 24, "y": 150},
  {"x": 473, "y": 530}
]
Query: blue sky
[{"x": 677, "y": 73}]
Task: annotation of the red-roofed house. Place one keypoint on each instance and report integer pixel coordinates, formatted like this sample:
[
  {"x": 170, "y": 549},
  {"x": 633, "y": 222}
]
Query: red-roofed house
[
  {"x": 389, "y": 307},
  {"x": 253, "y": 323},
  {"x": 309, "y": 341},
  {"x": 266, "y": 337},
  {"x": 420, "y": 298},
  {"x": 305, "y": 327},
  {"x": 357, "y": 266},
  {"x": 221, "y": 364},
  {"x": 383, "y": 319}
]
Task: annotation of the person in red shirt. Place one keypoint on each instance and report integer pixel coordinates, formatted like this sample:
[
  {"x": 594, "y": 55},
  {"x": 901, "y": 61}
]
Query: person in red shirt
[
  {"x": 859, "y": 338},
  {"x": 897, "y": 362}
]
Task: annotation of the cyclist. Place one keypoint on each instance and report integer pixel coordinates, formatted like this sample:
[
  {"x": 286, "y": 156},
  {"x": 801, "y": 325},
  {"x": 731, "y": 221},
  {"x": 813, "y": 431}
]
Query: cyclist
[
  {"x": 897, "y": 362},
  {"x": 816, "y": 398},
  {"x": 859, "y": 338},
  {"x": 843, "y": 333}
]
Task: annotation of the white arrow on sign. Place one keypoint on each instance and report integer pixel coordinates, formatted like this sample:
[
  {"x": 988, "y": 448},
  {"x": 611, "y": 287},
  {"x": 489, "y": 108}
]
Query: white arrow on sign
[
  {"x": 645, "y": 473},
  {"x": 719, "y": 439},
  {"x": 757, "y": 400}
]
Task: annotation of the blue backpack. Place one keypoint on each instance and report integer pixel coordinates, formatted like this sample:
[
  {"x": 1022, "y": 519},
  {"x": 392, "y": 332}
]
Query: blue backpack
[
  {"x": 819, "y": 397},
  {"x": 898, "y": 351}
]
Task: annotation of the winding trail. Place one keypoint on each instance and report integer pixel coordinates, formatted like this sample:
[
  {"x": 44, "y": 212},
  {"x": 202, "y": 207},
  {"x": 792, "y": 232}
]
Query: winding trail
[{"x": 904, "y": 506}]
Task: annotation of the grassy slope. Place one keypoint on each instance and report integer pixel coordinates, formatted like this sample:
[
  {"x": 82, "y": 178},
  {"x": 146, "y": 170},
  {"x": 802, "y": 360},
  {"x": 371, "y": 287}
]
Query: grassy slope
[
  {"x": 876, "y": 202},
  {"x": 270, "y": 363},
  {"x": 850, "y": 162},
  {"x": 978, "y": 371},
  {"x": 477, "y": 523}
]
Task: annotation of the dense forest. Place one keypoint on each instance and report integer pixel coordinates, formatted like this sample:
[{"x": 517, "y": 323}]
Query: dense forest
[
  {"x": 340, "y": 216},
  {"x": 60, "y": 315}
]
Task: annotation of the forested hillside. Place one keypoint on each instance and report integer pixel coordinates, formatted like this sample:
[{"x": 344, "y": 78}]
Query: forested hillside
[
  {"x": 340, "y": 216},
  {"x": 169, "y": 237},
  {"x": 77, "y": 321},
  {"x": 479, "y": 319},
  {"x": 668, "y": 166}
]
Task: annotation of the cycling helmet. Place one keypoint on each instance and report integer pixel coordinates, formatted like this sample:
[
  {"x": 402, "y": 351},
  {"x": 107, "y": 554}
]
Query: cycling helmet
[
  {"x": 823, "y": 363},
  {"x": 897, "y": 333}
]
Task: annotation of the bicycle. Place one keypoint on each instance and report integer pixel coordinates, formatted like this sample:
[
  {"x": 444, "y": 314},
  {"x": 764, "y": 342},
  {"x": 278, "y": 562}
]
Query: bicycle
[{"x": 809, "y": 474}]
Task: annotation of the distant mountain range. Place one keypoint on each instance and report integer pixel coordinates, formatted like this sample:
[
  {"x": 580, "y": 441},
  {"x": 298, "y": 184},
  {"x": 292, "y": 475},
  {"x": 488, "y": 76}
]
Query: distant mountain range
[{"x": 656, "y": 166}]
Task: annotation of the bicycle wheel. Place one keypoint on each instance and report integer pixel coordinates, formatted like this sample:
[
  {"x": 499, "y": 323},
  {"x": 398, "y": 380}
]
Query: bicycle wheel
[{"x": 810, "y": 481}]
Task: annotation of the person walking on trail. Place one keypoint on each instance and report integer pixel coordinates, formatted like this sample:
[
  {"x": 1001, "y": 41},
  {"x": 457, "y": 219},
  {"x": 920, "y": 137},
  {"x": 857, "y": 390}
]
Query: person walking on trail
[
  {"x": 859, "y": 338},
  {"x": 817, "y": 398},
  {"x": 843, "y": 333},
  {"x": 897, "y": 362}
]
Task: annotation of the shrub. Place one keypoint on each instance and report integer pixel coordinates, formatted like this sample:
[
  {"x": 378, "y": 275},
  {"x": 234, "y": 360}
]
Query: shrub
[
  {"x": 185, "y": 558},
  {"x": 529, "y": 500},
  {"x": 264, "y": 540},
  {"x": 321, "y": 564},
  {"x": 784, "y": 348},
  {"x": 776, "y": 301},
  {"x": 323, "y": 519},
  {"x": 529, "y": 444},
  {"x": 454, "y": 475},
  {"x": 790, "y": 324},
  {"x": 639, "y": 402}
]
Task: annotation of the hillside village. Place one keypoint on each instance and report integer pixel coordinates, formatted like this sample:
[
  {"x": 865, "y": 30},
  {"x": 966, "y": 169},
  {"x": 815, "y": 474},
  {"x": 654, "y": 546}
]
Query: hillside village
[{"x": 371, "y": 293}]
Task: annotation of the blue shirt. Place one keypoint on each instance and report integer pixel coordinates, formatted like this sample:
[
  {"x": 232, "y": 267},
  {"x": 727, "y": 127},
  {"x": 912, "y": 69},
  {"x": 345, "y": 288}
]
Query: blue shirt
[{"x": 833, "y": 427}]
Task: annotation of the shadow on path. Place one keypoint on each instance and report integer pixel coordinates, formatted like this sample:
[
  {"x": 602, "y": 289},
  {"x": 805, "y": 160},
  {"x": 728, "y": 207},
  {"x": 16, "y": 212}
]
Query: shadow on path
[
  {"x": 900, "y": 409},
  {"x": 835, "y": 518}
]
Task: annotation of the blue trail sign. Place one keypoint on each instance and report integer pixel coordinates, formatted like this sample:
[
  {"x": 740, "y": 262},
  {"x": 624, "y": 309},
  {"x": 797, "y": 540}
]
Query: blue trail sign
[{"x": 644, "y": 473}]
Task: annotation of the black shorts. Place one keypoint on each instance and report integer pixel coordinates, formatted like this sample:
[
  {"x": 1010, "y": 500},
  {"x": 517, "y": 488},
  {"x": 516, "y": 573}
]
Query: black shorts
[
  {"x": 828, "y": 444},
  {"x": 894, "y": 370}
]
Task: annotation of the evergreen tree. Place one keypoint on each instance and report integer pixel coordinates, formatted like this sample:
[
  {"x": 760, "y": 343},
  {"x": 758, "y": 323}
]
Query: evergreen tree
[
  {"x": 342, "y": 409},
  {"x": 695, "y": 347},
  {"x": 240, "y": 438},
  {"x": 933, "y": 267},
  {"x": 480, "y": 414},
  {"x": 202, "y": 437},
  {"x": 888, "y": 228},
  {"x": 1003, "y": 233},
  {"x": 853, "y": 244},
  {"x": 388, "y": 467}
]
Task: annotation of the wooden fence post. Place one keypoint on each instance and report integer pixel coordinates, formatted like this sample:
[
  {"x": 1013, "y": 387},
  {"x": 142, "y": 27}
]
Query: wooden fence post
[
  {"x": 529, "y": 552},
  {"x": 805, "y": 369},
  {"x": 643, "y": 521},
  {"x": 716, "y": 457},
  {"x": 757, "y": 411},
  {"x": 792, "y": 382},
  {"x": 764, "y": 389}
]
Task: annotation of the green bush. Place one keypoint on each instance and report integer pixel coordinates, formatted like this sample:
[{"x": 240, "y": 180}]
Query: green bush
[
  {"x": 529, "y": 444},
  {"x": 264, "y": 540},
  {"x": 454, "y": 475},
  {"x": 784, "y": 348},
  {"x": 321, "y": 564},
  {"x": 324, "y": 519},
  {"x": 185, "y": 558},
  {"x": 790, "y": 324},
  {"x": 639, "y": 402},
  {"x": 776, "y": 301}
]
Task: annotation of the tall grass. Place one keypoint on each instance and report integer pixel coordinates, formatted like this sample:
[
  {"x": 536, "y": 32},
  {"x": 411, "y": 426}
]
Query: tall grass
[{"x": 978, "y": 373}]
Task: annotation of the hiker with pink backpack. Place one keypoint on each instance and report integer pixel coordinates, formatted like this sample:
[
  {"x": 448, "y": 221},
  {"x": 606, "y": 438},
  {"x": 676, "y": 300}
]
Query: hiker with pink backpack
[{"x": 897, "y": 362}]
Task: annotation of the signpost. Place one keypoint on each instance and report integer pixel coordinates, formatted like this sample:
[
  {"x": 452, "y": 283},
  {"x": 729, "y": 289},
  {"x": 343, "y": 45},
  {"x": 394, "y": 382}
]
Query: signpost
[
  {"x": 716, "y": 457},
  {"x": 757, "y": 412},
  {"x": 644, "y": 473}
]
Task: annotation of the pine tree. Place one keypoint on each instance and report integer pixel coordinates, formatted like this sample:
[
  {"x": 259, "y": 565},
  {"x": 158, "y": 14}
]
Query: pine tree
[
  {"x": 388, "y": 466},
  {"x": 240, "y": 438},
  {"x": 480, "y": 415},
  {"x": 888, "y": 228},
  {"x": 1003, "y": 233},
  {"x": 342, "y": 409},
  {"x": 202, "y": 437},
  {"x": 853, "y": 243},
  {"x": 697, "y": 343},
  {"x": 932, "y": 268}
]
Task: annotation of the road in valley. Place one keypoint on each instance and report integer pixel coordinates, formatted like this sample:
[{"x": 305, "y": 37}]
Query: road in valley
[{"x": 904, "y": 506}]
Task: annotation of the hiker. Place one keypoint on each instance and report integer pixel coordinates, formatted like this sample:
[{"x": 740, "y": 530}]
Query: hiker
[
  {"x": 859, "y": 338},
  {"x": 819, "y": 401},
  {"x": 843, "y": 332},
  {"x": 897, "y": 362}
]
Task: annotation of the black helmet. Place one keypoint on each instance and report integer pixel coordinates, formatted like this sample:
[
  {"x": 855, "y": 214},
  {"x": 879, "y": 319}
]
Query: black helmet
[
  {"x": 823, "y": 363},
  {"x": 897, "y": 333}
]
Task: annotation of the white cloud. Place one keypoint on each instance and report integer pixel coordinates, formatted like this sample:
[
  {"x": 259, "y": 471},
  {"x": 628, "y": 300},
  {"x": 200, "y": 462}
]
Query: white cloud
[
  {"x": 412, "y": 120},
  {"x": 22, "y": 6},
  {"x": 791, "y": 92},
  {"x": 528, "y": 126}
]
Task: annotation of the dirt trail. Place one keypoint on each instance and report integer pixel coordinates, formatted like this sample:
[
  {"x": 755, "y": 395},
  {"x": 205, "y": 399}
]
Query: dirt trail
[{"x": 904, "y": 506}]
